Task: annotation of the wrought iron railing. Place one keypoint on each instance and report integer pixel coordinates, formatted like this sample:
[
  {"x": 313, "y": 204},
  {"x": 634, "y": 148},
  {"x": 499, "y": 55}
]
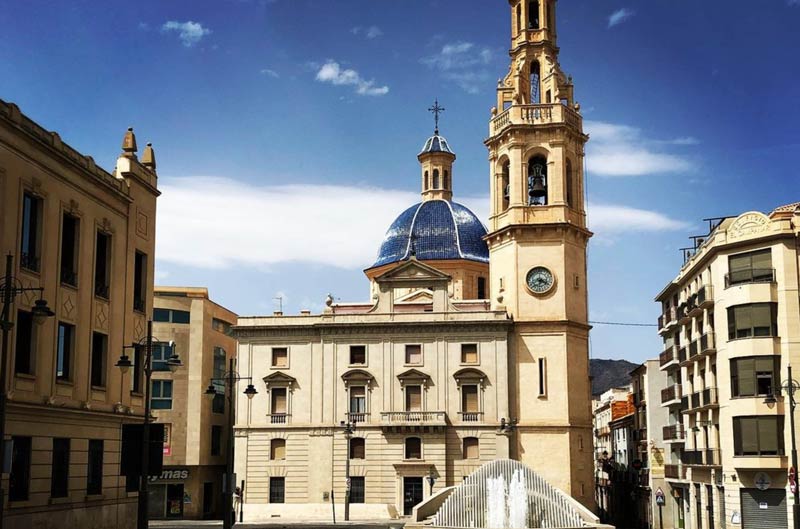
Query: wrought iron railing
[
  {"x": 671, "y": 393},
  {"x": 674, "y": 433},
  {"x": 101, "y": 290},
  {"x": 69, "y": 277}
]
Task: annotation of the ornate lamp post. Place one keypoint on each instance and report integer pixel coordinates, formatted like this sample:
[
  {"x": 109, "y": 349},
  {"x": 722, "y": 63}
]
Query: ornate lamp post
[
  {"x": 790, "y": 386},
  {"x": 349, "y": 429},
  {"x": 11, "y": 288},
  {"x": 124, "y": 364},
  {"x": 431, "y": 479},
  {"x": 230, "y": 379}
]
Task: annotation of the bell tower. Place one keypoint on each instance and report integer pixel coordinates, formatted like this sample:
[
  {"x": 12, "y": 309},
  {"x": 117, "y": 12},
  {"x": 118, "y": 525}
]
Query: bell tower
[{"x": 537, "y": 244}]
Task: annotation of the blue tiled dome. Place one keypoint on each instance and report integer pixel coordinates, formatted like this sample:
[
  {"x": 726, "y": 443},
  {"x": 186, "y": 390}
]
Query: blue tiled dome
[
  {"x": 436, "y": 143},
  {"x": 434, "y": 229}
]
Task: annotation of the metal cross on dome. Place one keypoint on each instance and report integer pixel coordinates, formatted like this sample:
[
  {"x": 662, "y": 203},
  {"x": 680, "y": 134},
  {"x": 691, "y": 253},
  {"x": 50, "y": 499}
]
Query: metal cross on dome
[{"x": 436, "y": 109}]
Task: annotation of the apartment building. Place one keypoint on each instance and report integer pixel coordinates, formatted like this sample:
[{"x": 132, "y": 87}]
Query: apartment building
[
  {"x": 187, "y": 322},
  {"x": 608, "y": 408},
  {"x": 731, "y": 327},
  {"x": 86, "y": 238}
]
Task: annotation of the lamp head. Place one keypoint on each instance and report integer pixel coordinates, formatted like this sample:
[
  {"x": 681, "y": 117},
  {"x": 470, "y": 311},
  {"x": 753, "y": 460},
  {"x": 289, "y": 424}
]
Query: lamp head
[
  {"x": 250, "y": 391},
  {"x": 41, "y": 311},
  {"x": 174, "y": 363},
  {"x": 770, "y": 399},
  {"x": 211, "y": 390},
  {"x": 124, "y": 363}
]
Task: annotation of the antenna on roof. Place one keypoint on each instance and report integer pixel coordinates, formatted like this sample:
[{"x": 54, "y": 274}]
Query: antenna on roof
[{"x": 279, "y": 299}]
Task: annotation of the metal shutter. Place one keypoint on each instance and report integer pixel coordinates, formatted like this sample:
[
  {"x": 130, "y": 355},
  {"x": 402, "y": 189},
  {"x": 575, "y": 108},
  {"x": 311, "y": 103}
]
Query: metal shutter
[{"x": 774, "y": 516}]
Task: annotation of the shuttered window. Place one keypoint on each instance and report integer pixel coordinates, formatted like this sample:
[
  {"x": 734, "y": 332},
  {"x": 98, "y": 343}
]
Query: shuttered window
[
  {"x": 357, "y": 448},
  {"x": 358, "y": 354},
  {"x": 754, "y": 376},
  {"x": 277, "y": 449},
  {"x": 357, "y": 489},
  {"x": 761, "y": 435},
  {"x": 469, "y": 353},
  {"x": 754, "y": 319},
  {"x": 278, "y": 400},
  {"x": 358, "y": 399},
  {"x": 471, "y": 448},
  {"x": 280, "y": 357},
  {"x": 413, "y": 448},
  {"x": 469, "y": 399},
  {"x": 413, "y": 354},
  {"x": 413, "y": 398}
]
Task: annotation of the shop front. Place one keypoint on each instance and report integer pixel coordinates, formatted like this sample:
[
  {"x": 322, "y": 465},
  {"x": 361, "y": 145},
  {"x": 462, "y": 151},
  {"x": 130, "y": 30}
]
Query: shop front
[{"x": 168, "y": 494}]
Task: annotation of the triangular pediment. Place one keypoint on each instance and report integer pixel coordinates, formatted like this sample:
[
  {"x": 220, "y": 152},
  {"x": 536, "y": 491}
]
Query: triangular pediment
[
  {"x": 424, "y": 295},
  {"x": 279, "y": 379},
  {"x": 412, "y": 270},
  {"x": 413, "y": 374}
]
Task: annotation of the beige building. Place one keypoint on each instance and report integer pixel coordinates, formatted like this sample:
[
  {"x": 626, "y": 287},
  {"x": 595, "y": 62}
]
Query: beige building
[
  {"x": 86, "y": 236},
  {"x": 731, "y": 327},
  {"x": 474, "y": 344},
  {"x": 188, "y": 323}
]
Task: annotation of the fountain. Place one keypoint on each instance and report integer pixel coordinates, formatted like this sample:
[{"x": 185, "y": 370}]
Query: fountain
[{"x": 503, "y": 494}]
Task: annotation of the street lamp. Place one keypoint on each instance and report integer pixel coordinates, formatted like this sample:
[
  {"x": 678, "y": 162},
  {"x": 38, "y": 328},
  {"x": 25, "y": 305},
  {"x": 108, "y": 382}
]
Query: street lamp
[
  {"x": 508, "y": 427},
  {"x": 230, "y": 379},
  {"x": 431, "y": 479},
  {"x": 124, "y": 364},
  {"x": 11, "y": 288},
  {"x": 790, "y": 386},
  {"x": 349, "y": 429}
]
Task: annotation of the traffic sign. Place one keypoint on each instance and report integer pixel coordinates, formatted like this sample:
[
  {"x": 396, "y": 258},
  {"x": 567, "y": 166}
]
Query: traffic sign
[{"x": 660, "y": 499}]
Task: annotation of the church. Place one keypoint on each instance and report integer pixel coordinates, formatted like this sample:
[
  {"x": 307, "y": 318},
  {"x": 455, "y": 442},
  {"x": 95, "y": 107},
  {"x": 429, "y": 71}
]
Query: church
[{"x": 473, "y": 345}]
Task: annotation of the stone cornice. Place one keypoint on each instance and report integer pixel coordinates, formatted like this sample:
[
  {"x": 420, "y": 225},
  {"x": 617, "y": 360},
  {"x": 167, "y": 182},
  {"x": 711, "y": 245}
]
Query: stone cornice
[{"x": 373, "y": 328}]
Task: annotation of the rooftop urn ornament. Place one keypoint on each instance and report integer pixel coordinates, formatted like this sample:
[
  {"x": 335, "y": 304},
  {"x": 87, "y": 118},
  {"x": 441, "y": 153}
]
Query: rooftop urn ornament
[
  {"x": 129, "y": 143},
  {"x": 436, "y": 110},
  {"x": 149, "y": 157},
  {"x": 329, "y": 300}
]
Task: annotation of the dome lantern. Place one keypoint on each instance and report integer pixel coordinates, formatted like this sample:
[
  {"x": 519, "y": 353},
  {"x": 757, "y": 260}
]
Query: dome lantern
[{"x": 436, "y": 160}]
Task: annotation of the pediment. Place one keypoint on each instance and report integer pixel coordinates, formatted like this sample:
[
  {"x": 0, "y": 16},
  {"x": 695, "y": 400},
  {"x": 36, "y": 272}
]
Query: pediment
[
  {"x": 279, "y": 378},
  {"x": 413, "y": 374},
  {"x": 357, "y": 374},
  {"x": 469, "y": 373},
  {"x": 412, "y": 270},
  {"x": 424, "y": 295}
]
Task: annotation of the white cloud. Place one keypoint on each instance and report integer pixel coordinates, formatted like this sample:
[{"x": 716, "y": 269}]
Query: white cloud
[
  {"x": 270, "y": 73},
  {"x": 332, "y": 72},
  {"x": 189, "y": 32},
  {"x": 258, "y": 226},
  {"x": 620, "y": 150},
  {"x": 371, "y": 32},
  {"x": 619, "y": 16},
  {"x": 608, "y": 219},
  {"x": 462, "y": 63}
]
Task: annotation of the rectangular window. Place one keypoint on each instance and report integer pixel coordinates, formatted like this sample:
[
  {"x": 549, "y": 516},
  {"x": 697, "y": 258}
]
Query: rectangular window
[
  {"x": 278, "y": 401},
  {"x": 413, "y": 398},
  {"x": 20, "y": 478},
  {"x": 102, "y": 265},
  {"x": 358, "y": 354},
  {"x": 280, "y": 357},
  {"x": 752, "y": 267},
  {"x": 277, "y": 490},
  {"x": 161, "y": 396},
  {"x": 469, "y": 399},
  {"x": 162, "y": 352},
  {"x": 59, "y": 482},
  {"x": 277, "y": 449},
  {"x": 482, "y": 288},
  {"x": 31, "y": 232},
  {"x": 94, "y": 477},
  {"x": 358, "y": 399},
  {"x": 758, "y": 436},
  {"x": 471, "y": 448},
  {"x": 542, "y": 377},
  {"x": 216, "y": 440},
  {"x": 220, "y": 326},
  {"x": 218, "y": 402},
  {"x": 161, "y": 315},
  {"x": 23, "y": 353},
  {"x": 99, "y": 355},
  {"x": 64, "y": 348},
  {"x": 357, "y": 489},
  {"x": 414, "y": 354},
  {"x": 754, "y": 376},
  {"x": 753, "y": 320},
  {"x": 69, "y": 250},
  {"x": 139, "y": 281},
  {"x": 469, "y": 353},
  {"x": 137, "y": 369},
  {"x": 183, "y": 317}
]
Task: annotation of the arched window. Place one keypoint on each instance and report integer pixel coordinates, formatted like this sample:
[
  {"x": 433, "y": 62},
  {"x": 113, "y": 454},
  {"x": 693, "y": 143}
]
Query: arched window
[
  {"x": 569, "y": 184},
  {"x": 446, "y": 179},
  {"x": 436, "y": 179},
  {"x": 537, "y": 181},
  {"x": 277, "y": 449},
  {"x": 413, "y": 448},
  {"x": 533, "y": 15},
  {"x": 505, "y": 191},
  {"x": 536, "y": 96},
  {"x": 426, "y": 183},
  {"x": 357, "y": 448},
  {"x": 471, "y": 448}
]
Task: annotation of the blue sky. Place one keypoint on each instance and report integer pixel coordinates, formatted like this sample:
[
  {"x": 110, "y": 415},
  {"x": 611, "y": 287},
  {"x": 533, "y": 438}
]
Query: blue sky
[{"x": 286, "y": 131}]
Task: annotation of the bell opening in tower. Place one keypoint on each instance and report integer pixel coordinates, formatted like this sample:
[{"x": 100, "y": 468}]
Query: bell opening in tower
[
  {"x": 537, "y": 181},
  {"x": 533, "y": 15},
  {"x": 504, "y": 186},
  {"x": 535, "y": 78}
]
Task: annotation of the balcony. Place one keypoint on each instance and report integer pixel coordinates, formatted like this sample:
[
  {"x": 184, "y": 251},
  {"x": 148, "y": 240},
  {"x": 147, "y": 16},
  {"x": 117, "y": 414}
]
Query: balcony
[
  {"x": 708, "y": 343},
  {"x": 751, "y": 275},
  {"x": 701, "y": 399},
  {"x": 471, "y": 416},
  {"x": 669, "y": 356},
  {"x": 694, "y": 349},
  {"x": 674, "y": 472},
  {"x": 278, "y": 418},
  {"x": 671, "y": 395},
  {"x": 683, "y": 313},
  {"x": 544, "y": 114},
  {"x": 681, "y": 354},
  {"x": 356, "y": 417},
  {"x": 69, "y": 277},
  {"x": 674, "y": 433},
  {"x": 668, "y": 320},
  {"x": 413, "y": 420},
  {"x": 101, "y": 290},
  {"x": 707, "y": 457},
  {"x": 693, "y": 309},
  {"x": 29, "y": 262},
  {"x": 705, "y": 297}
]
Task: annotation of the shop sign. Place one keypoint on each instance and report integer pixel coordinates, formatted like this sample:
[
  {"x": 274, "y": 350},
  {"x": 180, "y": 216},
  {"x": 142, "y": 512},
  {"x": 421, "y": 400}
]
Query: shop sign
[
  {"x": 179, "y": 474},
  {"x": 762, "y": 481}
]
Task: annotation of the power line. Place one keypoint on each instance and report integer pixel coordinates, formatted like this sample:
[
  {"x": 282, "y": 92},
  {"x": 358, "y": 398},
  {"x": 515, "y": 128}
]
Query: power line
[{"x": 623, "y": 324}]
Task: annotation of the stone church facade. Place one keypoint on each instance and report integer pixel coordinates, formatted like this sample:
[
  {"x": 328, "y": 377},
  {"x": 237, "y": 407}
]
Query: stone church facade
[{"x": 474, "y": 345}]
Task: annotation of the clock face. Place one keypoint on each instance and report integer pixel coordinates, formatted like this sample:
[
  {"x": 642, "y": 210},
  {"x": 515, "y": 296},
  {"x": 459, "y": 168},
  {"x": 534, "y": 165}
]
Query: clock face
[{"x": 540, "y": 280}]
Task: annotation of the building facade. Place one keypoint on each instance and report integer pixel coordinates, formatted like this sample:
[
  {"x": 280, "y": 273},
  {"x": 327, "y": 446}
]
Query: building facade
[
  {"x": 608, "y": 409},
  {"x": 187, "y": 322},
  {"x": 86, "y": 237},
  {"x": 730, "y": 324},
  {"x": 474, "y": 345}
]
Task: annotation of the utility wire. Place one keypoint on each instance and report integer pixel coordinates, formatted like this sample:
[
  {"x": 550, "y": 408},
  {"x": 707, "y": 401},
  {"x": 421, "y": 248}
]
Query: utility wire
[{"x": 623, "y": 324}]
